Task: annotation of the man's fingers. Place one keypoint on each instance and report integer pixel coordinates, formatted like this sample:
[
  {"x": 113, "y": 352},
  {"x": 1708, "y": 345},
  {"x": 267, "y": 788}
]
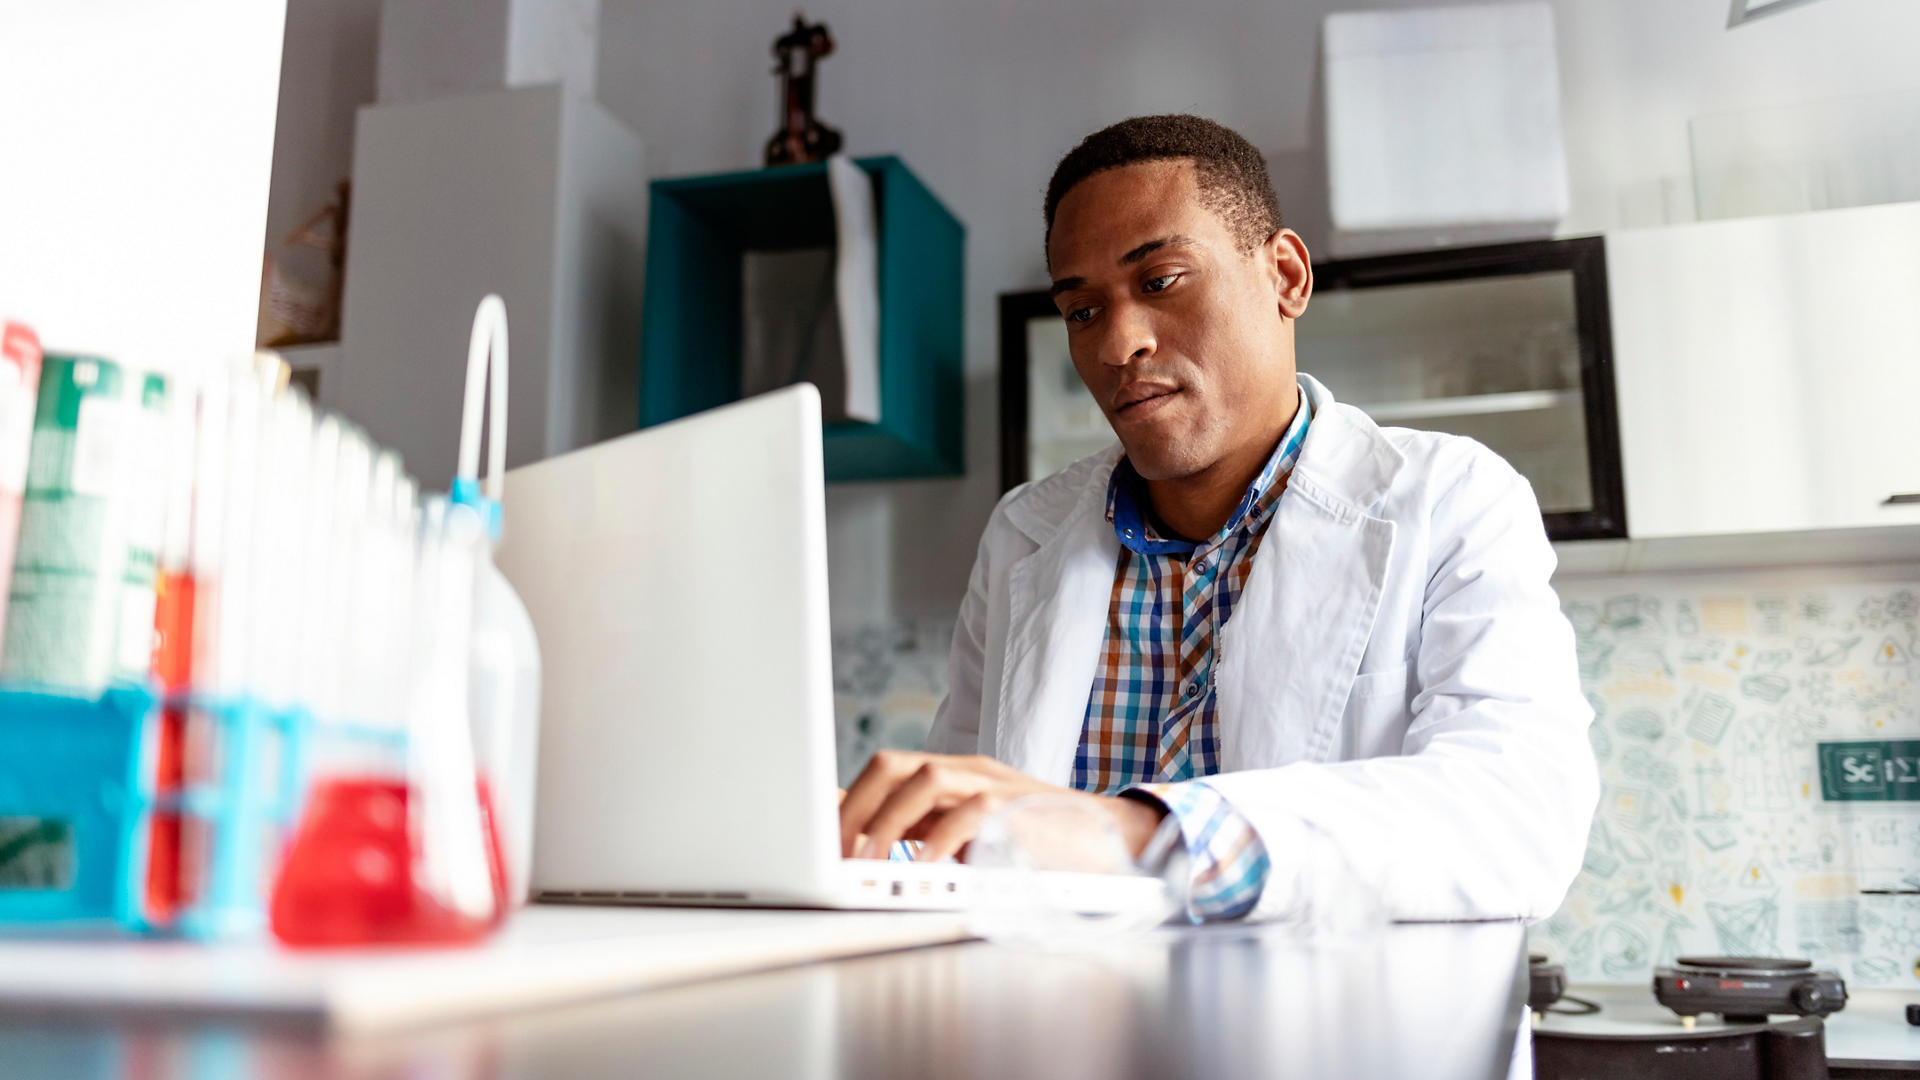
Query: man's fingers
[
  {"x": 901, "y": 794},
  {"x": 912, "y": 800},
  {"x": 955, "y": 828},
  {"x": 919, "y": 829},
  {"x": 884, "y": 772}
]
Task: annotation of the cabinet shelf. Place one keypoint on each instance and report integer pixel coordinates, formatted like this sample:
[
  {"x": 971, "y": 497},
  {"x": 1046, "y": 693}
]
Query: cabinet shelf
[
  {"x": 1472, "y": 405},
  {"x": 691, "y": 336}
]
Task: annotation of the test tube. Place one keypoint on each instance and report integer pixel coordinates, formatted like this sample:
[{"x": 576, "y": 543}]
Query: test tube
[
  {"x": 316, "y": 564},
  {"x": 19, "y": 389},
  {"x": 281, "y": 497}
]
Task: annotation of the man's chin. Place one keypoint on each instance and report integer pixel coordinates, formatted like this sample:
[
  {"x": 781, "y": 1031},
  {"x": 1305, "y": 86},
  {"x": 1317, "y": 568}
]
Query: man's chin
[{"x": 1159, "y": 462}]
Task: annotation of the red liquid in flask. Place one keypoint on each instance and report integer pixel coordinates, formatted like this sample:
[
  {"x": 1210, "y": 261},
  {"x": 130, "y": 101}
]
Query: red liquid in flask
[{"x": 348, "y": 877}]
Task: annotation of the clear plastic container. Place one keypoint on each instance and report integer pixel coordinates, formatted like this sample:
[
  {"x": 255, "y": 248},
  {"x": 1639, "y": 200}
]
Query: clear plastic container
[{"x": 504, "y": 697}]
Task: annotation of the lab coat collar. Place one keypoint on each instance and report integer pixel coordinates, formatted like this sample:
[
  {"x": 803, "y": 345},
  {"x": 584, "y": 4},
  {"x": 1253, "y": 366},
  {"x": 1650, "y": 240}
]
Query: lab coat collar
[
  {"x": 1041, "y": 508},
  {"x": 1345, "y": 457}
]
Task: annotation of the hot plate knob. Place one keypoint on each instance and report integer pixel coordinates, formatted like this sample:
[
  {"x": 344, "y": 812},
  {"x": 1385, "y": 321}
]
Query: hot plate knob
[{"x": 1808, "y": 998}]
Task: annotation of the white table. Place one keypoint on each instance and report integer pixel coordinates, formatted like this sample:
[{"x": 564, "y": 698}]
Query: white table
[{"x": 1440, "y": 1002}]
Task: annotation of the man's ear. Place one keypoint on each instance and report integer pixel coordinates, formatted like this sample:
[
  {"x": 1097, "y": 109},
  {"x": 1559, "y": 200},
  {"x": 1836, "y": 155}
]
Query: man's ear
[{"x": 1293, "y": 270}]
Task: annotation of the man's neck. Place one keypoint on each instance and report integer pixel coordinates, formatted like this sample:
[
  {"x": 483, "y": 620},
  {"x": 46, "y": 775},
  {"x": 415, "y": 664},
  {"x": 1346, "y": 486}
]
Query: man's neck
[{"x": 1197, "y": 506}]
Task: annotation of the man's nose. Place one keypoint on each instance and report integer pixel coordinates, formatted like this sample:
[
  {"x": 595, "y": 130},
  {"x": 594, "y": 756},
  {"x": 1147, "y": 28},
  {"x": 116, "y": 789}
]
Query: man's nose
[{"x": 1129, "y": 336}]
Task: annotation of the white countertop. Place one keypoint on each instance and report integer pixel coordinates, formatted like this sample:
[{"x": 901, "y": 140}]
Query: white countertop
[{"x": 1871, "y": 1030}]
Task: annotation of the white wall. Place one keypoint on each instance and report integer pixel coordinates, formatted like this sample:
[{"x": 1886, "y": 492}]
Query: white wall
[
  {"x": 135, "y": 144},
  {"x": 981, "y": 97}
]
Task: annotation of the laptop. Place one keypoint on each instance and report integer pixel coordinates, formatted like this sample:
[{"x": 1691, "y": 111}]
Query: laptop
[{"x": 677, "y": 579}]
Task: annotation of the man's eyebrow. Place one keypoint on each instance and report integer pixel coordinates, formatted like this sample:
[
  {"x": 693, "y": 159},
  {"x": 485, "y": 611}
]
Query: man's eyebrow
[
  {"x": 1068, "y": 284},
  {"x": 1152, "y": 246}
]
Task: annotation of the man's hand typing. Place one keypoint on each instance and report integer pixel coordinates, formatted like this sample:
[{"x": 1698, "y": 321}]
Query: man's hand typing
[{"x": 941, "y": 799}]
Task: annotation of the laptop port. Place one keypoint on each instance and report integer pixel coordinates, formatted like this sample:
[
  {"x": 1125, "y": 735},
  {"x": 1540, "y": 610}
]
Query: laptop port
[{"x": 899, "y": 888}]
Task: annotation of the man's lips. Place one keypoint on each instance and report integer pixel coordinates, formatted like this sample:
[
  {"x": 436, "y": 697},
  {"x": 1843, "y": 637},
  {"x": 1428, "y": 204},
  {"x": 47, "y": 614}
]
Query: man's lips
[{"x": 1134, "y": 395}]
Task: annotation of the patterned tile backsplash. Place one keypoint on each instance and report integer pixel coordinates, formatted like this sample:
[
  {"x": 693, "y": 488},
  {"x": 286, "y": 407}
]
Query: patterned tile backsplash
[
  {"x": 1711, "y": 835},
  {"x": 888, "y": 679}
]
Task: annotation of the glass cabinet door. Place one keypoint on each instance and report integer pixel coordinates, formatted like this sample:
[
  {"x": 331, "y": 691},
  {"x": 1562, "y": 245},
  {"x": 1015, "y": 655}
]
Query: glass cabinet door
[{"x": 1508, "y": 345}]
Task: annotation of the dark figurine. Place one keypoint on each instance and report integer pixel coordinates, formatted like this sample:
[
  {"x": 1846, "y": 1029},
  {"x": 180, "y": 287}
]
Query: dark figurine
[{"x": 801, "y": 138}]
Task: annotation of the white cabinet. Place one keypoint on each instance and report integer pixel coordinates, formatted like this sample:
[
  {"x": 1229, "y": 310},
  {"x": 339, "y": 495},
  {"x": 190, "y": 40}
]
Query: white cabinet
[
  {"x": 531, "y": 193},
  {"x": 1767, "y": 372}
]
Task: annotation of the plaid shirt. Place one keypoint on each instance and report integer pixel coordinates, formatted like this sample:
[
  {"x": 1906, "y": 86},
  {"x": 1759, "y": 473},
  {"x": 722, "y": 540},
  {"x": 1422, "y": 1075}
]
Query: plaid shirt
[{"x": 1151, "y": 725}]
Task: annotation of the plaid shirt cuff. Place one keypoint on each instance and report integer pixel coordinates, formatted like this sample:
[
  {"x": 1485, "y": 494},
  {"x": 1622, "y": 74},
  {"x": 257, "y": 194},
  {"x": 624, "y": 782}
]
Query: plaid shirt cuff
[{"x": 1229, "y": 863}]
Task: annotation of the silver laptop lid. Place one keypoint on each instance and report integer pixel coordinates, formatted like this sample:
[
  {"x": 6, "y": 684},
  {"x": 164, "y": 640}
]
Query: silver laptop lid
[{"x": 677, "y": 578}]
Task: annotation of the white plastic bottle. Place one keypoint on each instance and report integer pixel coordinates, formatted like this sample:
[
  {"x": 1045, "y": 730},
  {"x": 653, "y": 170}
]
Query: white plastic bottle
[
  {"x": 504, "y": 695},
  {"x": 503, "y": 677}
]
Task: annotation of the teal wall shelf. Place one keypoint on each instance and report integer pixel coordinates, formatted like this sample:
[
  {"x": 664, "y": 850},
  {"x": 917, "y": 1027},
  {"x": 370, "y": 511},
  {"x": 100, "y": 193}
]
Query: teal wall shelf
[{"x": 690, "y": 339}]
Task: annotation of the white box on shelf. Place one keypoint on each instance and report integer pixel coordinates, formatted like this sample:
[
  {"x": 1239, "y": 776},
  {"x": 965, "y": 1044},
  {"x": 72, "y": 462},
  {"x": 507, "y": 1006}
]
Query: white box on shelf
[
  {"x": 437, "y": 48},
  {"x": 1443, "y": 126},
  {"x": 535, "y": 194}
]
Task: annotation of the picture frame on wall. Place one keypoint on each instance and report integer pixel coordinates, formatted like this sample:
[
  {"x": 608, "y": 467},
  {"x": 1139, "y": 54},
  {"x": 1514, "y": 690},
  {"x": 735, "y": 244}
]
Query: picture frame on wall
[{"x": 1017, "y": 309}]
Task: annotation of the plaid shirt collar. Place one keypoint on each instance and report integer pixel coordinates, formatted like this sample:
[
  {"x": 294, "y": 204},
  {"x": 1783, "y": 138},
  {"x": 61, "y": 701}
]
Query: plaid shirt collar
[{"x": 1126, "y": 495}]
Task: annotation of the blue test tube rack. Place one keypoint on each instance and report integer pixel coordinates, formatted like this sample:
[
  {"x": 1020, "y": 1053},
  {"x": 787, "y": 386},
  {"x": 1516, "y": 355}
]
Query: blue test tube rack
[{"x": 88, "y": 764}]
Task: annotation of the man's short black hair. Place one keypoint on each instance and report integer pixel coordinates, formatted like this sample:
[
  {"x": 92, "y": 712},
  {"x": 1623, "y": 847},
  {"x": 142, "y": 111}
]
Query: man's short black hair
[{"x": 1231, "y": 173}]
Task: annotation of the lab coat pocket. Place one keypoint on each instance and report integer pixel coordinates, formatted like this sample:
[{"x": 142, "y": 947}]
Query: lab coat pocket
[{"x": 1375, "y": 722}]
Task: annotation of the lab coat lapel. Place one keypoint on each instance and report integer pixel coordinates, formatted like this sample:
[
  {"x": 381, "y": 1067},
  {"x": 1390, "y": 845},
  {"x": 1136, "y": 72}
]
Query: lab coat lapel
[
  {"x": 1057, "y": 611},
  {"x": 1288, "y": 656}
]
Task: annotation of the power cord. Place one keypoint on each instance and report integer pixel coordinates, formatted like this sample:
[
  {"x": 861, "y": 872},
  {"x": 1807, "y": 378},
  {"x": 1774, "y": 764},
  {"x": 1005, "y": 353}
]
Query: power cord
[{"x": 1586, "y": 1008}]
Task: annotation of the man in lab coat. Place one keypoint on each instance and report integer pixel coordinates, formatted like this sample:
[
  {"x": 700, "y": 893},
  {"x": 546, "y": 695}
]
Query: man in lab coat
[{"x": 1261, "y": 619}]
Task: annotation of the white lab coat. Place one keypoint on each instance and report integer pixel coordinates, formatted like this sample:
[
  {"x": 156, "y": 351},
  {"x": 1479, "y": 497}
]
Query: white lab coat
[{"x": 1397, "y": 672}]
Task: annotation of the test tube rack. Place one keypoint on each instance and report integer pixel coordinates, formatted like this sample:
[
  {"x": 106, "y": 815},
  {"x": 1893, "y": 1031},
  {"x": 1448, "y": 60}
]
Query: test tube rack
[{"x": 78, "y": 779}]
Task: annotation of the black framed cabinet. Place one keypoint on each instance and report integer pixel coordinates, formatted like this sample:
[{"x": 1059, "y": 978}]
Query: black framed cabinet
[{"x": 1509, "y": 344}]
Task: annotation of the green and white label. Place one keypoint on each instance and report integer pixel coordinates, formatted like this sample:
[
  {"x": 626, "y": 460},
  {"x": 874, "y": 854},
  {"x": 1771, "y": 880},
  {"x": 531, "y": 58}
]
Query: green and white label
[{"x": 1876, "y": 770}]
